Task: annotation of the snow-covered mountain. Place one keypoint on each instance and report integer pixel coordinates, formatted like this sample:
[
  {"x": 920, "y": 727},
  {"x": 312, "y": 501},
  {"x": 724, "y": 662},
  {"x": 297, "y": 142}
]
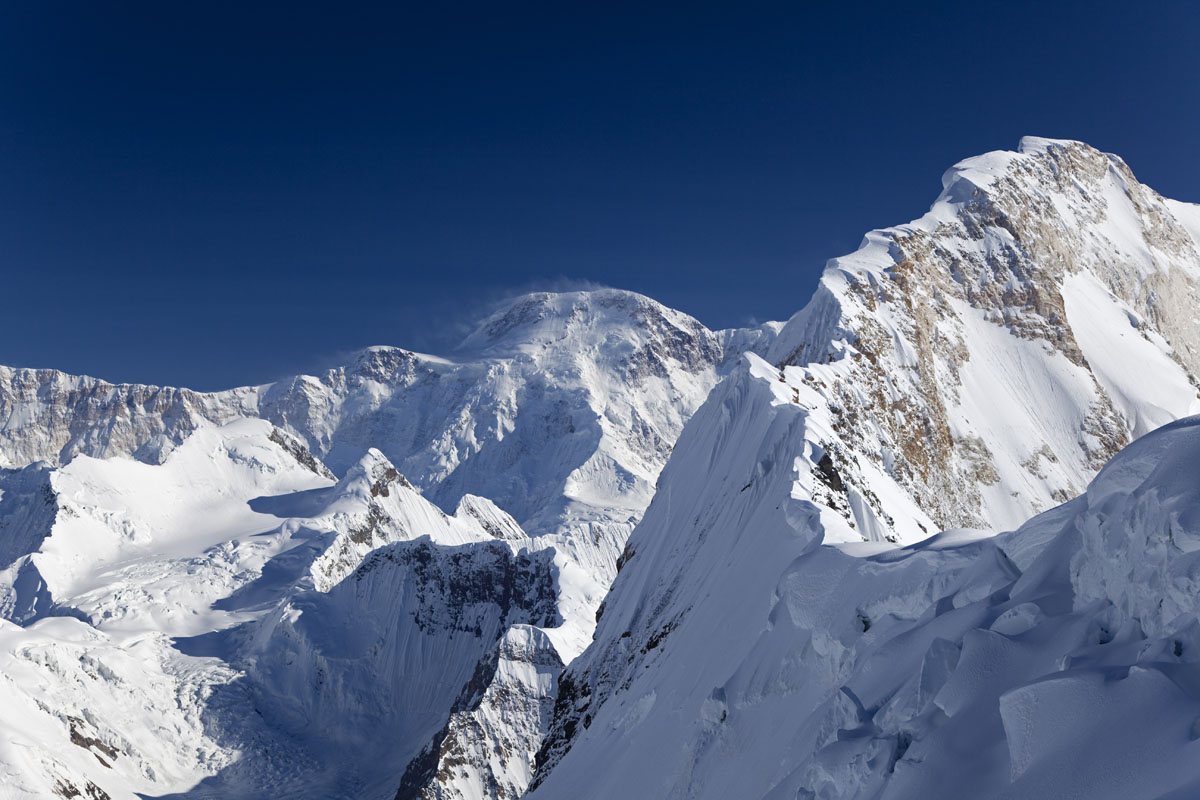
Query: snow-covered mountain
[
  {"x": 596, "y": 384},
  {"x": 989, "y": 357},
  {"x": 236, "y": 553},
  {"x": 367, "y": 583},
  {"x": 966, "y": 370}
]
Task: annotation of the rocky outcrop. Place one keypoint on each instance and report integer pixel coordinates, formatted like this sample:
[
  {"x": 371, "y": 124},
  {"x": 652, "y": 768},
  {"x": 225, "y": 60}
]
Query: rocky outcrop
[
  {"x": 487, "y": 747},
  {"x": 51, "y": 416}
]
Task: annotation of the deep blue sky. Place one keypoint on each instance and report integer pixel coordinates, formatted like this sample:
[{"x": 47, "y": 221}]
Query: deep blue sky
[{"x": 211, "y": 194}]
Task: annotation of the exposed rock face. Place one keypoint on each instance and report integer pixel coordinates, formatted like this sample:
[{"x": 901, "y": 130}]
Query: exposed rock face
[
  {"x": 487, "y": 747},
  {"x": 51, "y": 416},
  {"x": 931, "y": 343}
]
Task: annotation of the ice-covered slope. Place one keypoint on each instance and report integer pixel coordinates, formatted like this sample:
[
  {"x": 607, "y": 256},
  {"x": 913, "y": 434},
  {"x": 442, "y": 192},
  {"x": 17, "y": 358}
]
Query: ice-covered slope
[
  {"x": 739, "y": 656},
  {"x": 966, "y": 370}
]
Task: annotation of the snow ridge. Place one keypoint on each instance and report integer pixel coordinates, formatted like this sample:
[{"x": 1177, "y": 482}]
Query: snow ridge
[{"x": 1038, "y": 663}]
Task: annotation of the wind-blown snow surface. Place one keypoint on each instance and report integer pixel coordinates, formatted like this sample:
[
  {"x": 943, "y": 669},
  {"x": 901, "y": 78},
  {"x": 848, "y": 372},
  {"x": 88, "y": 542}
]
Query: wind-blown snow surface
[{"x": 739, "y": 656}]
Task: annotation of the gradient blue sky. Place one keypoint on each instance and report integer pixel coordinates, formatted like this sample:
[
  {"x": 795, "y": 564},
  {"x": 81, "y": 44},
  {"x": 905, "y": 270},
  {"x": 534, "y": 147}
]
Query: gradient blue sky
[{"x": 212, "y": 194}]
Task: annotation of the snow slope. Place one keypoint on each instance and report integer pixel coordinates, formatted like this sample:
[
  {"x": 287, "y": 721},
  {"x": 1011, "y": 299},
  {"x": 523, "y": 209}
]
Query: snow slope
[{"x": 742, "y": 655}]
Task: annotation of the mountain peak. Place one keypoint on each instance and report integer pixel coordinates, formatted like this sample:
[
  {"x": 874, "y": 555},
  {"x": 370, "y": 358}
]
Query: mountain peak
[
  {"x": 1037, "y": 164},
  {"x": 1049, "y": 272},
  {"x": 373, "y": 475},
  {"x": 540, "y": 318}
]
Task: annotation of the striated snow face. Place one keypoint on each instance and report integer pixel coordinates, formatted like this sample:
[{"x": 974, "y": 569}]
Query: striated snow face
[
  {"x": 740, "y": 655},
  {"x": 51, "y": 416}
]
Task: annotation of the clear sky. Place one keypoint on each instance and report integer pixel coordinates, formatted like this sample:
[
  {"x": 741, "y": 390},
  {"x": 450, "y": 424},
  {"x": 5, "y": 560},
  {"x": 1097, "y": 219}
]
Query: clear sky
[{"x": 212, "y": 194}]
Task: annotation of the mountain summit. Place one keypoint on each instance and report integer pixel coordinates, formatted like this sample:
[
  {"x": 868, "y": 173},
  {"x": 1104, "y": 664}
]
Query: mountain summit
[{"x": 990, "y": 356}]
